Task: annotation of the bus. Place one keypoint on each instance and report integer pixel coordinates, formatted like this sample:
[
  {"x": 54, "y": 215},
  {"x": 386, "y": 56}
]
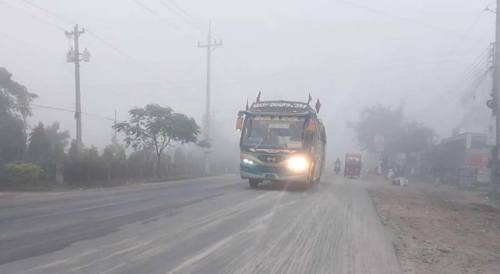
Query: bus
[{"x": 281, "y": 141}]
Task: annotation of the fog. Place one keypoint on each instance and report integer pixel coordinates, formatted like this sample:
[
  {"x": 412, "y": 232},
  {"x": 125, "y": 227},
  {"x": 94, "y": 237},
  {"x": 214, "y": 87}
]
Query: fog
[{"x": 349, "y": 54}]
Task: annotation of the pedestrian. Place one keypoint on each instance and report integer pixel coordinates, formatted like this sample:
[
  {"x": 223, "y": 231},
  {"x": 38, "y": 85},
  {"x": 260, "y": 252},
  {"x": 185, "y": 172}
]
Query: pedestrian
[{"x": 437, "y": 176}]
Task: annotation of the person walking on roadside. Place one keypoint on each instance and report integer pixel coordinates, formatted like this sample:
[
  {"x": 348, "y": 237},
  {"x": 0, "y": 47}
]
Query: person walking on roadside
[
  {"x": 436, "y": 172},
  {"x": 384, "y": 167}
]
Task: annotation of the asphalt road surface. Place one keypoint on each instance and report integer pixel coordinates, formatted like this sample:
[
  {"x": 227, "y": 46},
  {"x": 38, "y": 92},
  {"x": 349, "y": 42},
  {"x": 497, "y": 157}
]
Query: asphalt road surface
[{"x": 207, "y": 225}]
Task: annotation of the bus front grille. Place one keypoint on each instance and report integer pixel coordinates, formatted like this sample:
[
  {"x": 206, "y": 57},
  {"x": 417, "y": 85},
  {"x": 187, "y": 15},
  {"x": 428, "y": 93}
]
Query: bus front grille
[
  {"x": 272, "y": 169},
  {"x": 271, "y": 158}
]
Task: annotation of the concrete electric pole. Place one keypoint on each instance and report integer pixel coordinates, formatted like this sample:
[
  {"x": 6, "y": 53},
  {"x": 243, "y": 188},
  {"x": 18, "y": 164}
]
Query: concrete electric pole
[
  {"x": 73, "y": 56},
  {"x": 495, "y": 106},
  {"x": 114, "y": 120},
  {"x": 207, "y": 121}
]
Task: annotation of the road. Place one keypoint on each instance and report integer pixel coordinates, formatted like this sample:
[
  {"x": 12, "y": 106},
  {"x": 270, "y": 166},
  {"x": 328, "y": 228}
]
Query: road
[{"x": 206, "y": 225}]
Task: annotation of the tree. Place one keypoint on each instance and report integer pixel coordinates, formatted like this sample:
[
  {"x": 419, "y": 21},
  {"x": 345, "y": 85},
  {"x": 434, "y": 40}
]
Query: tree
[
  {"x": 59, "y": 140},
  {"x": 91, "y": 162},
  {"x": 39, "y": 146},
  {"x": 46, "y": 148},
  {"x": 12, "y": 139},
  {"x": 114, "y": 155},
  {"x": 14, "y": 109},
  {"x": 156, "y": 126},
  {"x": 414, "y": 137},
  {"x": 180, "y": 160},
  {"x": 14, "y": 97},
  {"x": 400, "y": 134},
  {"x": 138, "y": 162}
]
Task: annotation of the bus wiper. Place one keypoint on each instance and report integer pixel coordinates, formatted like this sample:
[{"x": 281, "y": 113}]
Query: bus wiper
[
  {"x": 286, "y": 142},
  {"x": 265, "y": 137}
]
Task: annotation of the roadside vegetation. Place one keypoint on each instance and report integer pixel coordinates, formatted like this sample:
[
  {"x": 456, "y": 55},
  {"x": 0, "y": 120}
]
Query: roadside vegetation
[
  {"x": 43, "y": 157},
  {"x": 401, "y": 134}
]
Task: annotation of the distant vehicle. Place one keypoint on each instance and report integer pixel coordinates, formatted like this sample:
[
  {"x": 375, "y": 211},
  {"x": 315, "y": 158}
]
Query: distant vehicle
[
  {"x": 337, "y": 168},
  {"x": 281, "y": 141},
  {"x": 352, "y": 166}
]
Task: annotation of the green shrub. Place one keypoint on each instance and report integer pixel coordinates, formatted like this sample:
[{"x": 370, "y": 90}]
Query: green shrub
[{"x": 25, "y": 173}]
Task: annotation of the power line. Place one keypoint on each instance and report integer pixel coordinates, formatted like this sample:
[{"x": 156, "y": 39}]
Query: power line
[
  {"x": 457, "y": 43},
  {"x": 468, "y": 31},
  {"x": 196, "y": 23},
  {"x": 109, "y": 45},
  {"x": 72, "y": 22},
  {"x": 32, "y": 16},
  {"x": 48, "y": 11},
  {"x": 396, "y": 17},
  {"x": 461, "y": 78},
  {"x": 156, "y": 14},
  {"x": 72, "y": 111},
  {"x": 457, "y": 87},
  {"x": 474, "y": 67},
  {"x": 187, "y": 14},
  {"x": 181, "y": 16},
  {"x": 301, "y": 75},
  {"x": 478, "y": 83},
  {"x": 87, "y": 30},
  {"x": 42, "y": 20},
  {"x": 452, "y": 92},
  {"x": 29, "y": 44},
  {"x": 462, "y": 90},
  {"x": 452, "y": 113}
]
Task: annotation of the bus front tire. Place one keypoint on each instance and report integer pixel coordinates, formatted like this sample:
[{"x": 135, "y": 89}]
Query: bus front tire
[{"x": 253, "y": 183}]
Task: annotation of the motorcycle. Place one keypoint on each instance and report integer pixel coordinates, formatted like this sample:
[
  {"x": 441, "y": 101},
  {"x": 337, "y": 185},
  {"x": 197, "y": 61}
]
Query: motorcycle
[{"x": 337, "y": 169}]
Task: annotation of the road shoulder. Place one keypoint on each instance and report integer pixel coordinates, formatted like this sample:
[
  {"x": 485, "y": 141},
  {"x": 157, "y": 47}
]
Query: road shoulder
[
  {"x": 439, "y": 230},
  {"x": 124, "y": 185}
]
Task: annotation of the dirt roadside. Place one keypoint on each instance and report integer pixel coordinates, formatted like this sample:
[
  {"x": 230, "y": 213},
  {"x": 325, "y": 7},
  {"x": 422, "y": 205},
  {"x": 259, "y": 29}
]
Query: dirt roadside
[
  {"x": 51, "y": 189},
  {"x": 440, "y": 229}
]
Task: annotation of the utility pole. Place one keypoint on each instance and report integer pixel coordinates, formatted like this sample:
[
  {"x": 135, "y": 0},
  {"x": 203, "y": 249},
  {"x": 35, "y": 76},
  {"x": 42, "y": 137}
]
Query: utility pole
[
  {"x": 494, "y": 178},
  {"x": 73, "y": 56},
  {"x": 115, "y": 123},
  {"x": 207, "y": 123},
  {"x": 493, "y": 165}
]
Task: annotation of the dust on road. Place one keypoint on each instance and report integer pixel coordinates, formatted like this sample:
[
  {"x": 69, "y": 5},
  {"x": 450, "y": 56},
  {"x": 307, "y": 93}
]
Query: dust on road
[
  {"x": 331, "y": 228},
  {"x": 441, "y": 230}
]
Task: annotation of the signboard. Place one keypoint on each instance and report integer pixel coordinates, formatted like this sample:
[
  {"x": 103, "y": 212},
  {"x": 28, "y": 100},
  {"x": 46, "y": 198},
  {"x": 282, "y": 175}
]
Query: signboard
[
  {"x": 280, "y": 106},
  {"x": 468, "y": 176},
  {"x": 478, "y": 141},
  {"x": 379, "y": 143},
  {"x": 491, "y": 137},
  {"x": 483, "y": 175},
  {"x": 478, "y": 158}
]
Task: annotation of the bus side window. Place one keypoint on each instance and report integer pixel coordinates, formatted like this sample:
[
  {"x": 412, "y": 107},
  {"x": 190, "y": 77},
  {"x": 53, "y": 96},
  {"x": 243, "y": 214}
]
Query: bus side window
[
  {"x": 248, "y": 128},
  {"x": 323, "y": 134},
  {"x": 308, "y": 136}
]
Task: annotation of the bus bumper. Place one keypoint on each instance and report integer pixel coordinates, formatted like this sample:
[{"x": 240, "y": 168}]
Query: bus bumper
[{"x": 257, "y": 174}]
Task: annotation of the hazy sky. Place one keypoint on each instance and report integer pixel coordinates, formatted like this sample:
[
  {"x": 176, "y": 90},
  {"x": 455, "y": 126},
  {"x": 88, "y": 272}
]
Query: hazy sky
[{"x": 348, "y": 55}]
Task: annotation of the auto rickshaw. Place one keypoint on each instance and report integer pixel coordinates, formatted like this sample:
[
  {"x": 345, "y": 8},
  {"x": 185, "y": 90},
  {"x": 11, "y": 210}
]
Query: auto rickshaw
[{"x": 352, "y": 166}]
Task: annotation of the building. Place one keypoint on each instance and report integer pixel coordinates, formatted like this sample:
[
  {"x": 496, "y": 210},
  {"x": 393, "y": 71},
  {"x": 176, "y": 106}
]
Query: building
[{"x": 466, "y": 149}]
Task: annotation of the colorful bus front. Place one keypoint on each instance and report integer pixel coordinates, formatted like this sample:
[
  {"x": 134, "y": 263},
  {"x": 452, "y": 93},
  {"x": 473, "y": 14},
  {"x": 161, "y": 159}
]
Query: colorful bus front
[{"x": 281, "y": 141}]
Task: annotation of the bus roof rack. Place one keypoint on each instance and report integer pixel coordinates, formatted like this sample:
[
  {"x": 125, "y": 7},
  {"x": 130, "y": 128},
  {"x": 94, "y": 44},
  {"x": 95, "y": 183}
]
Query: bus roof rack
[{"x": 280, "y": 108}]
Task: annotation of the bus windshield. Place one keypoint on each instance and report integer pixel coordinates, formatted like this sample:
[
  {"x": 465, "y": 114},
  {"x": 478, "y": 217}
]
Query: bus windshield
[{"x": 278, "y": 133}]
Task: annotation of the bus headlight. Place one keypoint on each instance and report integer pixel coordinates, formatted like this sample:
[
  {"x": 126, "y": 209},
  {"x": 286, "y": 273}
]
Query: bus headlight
[
  {"x": 247, "y": 161},
  {"x": 298, "y": 163}
]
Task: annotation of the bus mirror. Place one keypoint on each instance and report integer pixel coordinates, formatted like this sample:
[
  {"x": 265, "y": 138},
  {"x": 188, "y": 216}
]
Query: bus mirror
[
  {"x": 239, "y": 123},
  {"x": 311, "y": 125}
]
